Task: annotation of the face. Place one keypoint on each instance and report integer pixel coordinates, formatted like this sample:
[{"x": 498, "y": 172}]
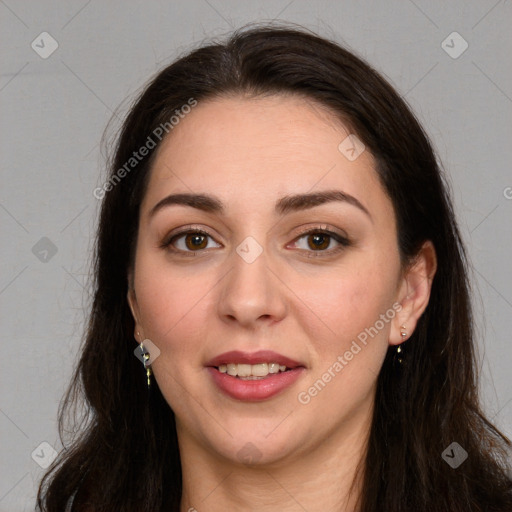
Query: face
[{"x": 293, "y": 251}]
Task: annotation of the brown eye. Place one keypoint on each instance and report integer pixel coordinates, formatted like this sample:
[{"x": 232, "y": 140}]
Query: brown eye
[
  {"x": 318, "y": 241},
  {"x": 195, "y": 241},
  {"x": 191, "y": 241}
]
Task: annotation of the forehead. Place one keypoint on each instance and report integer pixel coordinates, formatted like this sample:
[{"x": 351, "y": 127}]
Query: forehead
[{"x": 249, "y": 148}]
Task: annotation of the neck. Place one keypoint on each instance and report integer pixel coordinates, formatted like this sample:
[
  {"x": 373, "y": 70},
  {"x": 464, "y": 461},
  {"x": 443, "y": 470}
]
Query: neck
[{"x": 328, "y": 476}]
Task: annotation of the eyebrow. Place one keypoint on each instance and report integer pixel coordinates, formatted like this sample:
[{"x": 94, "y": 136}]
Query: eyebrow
[{"x": 286, "y": 204}]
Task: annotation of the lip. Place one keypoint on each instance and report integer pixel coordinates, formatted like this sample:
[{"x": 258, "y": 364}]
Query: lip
[
  {"x": 254, "y": 390},
  {"x": 262, "y": 356}
]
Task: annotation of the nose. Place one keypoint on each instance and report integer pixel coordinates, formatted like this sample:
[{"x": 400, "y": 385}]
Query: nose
[{"x": 252, "y": 293}]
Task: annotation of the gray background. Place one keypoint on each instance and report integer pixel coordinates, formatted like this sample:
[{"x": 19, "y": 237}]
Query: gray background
[{"x": 54, "y": 111}]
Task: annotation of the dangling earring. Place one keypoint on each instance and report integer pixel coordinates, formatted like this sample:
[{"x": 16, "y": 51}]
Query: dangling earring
[
  {"x": 145, "y": 360},
  {"x": 399, "y": 351}
]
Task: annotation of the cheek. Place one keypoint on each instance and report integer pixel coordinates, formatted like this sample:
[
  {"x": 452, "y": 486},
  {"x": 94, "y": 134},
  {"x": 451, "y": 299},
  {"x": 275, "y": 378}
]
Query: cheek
[
  {"x": 347, "y": 358},
  {"x": 345, "y": 305},
  {"x": 348, "y": 327},
  {"x": 174, "y": 308},
  {"x": 170, "y": 300}
]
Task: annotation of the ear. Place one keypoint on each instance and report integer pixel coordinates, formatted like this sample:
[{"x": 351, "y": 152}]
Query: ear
[
  {"x": 134, "y": 307},
  {"x": 414, "y": 293}
]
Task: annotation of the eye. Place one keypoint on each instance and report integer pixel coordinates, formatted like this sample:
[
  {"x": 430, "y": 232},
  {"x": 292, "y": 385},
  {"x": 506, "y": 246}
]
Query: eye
[
  {"x": 318, "y": 240},
  {"x": 189, "y": 241},
  {"x": 321, "y": 241}
]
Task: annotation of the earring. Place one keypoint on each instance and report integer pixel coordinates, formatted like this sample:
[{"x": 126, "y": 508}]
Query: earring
[
  {"x": 399, "y": 355},
  {"x": 145, "y": 360},
  {"x": 399, "y": 351}
]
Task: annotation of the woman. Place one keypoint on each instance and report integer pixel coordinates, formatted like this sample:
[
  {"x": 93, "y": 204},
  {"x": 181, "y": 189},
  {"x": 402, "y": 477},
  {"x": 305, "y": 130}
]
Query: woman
[{"x": 277, "y": 237}]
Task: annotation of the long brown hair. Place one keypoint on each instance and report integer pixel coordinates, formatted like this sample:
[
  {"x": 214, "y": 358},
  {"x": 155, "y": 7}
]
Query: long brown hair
[{"x": 124, "y": 455}]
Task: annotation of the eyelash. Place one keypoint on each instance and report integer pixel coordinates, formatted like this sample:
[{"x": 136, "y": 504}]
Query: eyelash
[{"x": 343, "y": 241}]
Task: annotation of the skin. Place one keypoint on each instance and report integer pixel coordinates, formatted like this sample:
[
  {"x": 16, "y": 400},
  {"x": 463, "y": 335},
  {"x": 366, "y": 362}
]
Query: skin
[{"x": 294, "y": 299}]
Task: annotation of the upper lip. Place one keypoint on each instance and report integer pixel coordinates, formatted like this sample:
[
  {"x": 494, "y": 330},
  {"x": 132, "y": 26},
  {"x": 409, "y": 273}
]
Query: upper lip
[{"x": 262, "y": 356}]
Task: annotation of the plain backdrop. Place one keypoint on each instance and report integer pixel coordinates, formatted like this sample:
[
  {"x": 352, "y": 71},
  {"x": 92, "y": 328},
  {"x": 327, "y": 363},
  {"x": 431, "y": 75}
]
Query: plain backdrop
[{"x": 55, "y": 107}]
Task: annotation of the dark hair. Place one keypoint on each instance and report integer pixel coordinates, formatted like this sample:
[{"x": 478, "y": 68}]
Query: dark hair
[{"x": 124, "y": 455}]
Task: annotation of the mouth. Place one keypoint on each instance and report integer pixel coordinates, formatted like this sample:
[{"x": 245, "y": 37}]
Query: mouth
[
  {"x": 253, "y": 377},
  {"x": 252, "y": 371}
]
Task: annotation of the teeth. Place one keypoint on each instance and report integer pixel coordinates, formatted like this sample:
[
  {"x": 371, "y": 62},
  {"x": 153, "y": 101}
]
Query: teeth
[
  {"x": 244, "y": 370},
  {"x": 273, "y": 368},
  {"x": 251, "y": 370}
]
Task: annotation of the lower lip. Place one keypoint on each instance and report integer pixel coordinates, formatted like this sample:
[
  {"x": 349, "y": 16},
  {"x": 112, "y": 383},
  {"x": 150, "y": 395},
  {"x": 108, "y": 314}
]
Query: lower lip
[{"x": 254, "y": 390}]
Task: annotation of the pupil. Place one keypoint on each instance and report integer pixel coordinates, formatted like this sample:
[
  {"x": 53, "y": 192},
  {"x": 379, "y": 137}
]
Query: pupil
[
  {"x": 319, "y": 241},
  {"x": 195, "y": 241}
]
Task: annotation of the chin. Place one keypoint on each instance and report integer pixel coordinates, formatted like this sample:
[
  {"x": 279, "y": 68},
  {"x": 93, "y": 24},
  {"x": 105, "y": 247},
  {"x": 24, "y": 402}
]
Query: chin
[{"x": 255, "y": 449}]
